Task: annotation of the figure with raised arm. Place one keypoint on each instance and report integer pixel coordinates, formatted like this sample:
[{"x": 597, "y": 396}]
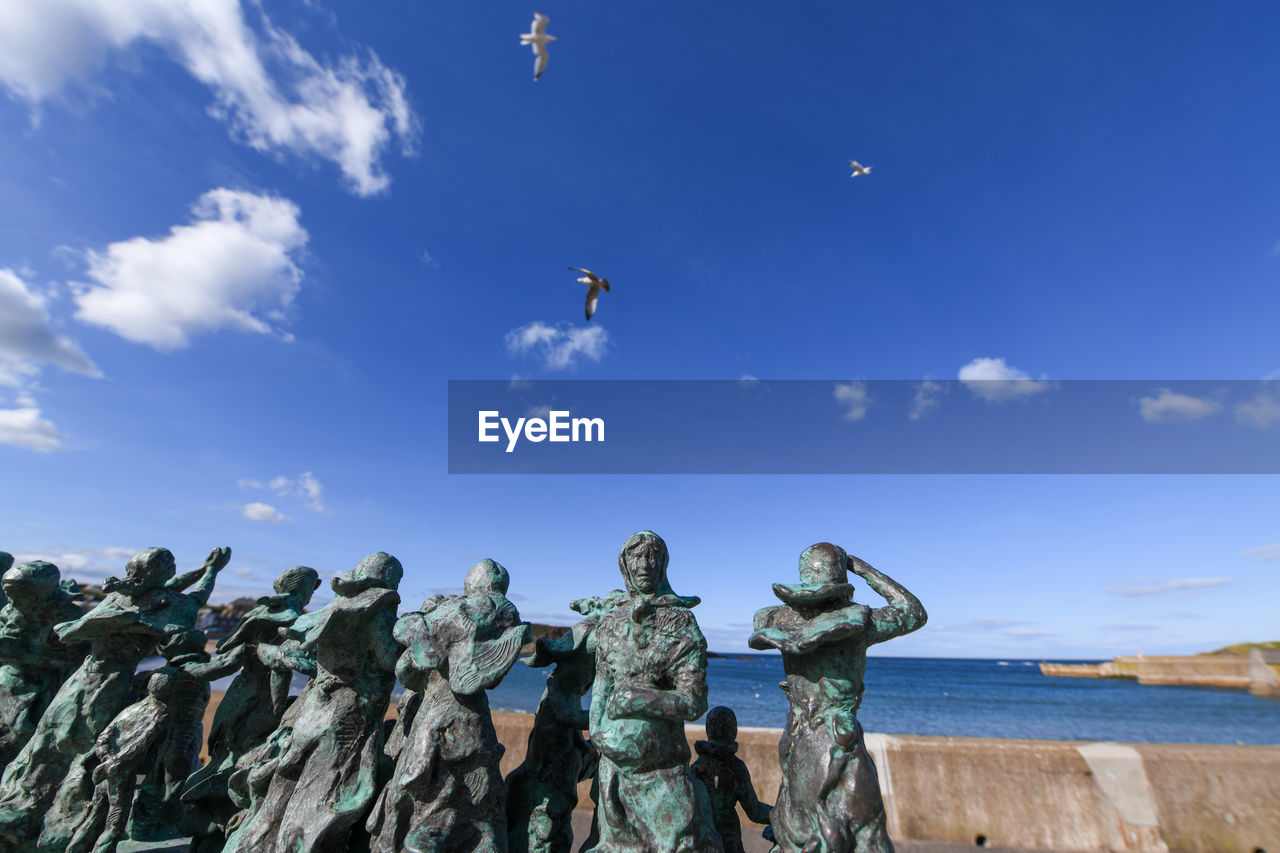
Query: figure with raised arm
[
  {"x": 651, "y": 677},
  {"x": 33, "y": 661},
  {"x": 311, "y": 784},
  {"x": 250, "y": 710},
  {"x": 45, "y": 790},
  {"x": 446, "y": 793},
  {"x": 829, "y": 800}
]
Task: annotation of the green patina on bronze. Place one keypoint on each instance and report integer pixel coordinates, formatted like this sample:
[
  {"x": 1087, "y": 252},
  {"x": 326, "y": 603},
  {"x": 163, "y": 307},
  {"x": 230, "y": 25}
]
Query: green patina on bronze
[
  {"x": 446, "y": 792},
  {"x": 123, "y": 751},
  {"x": 310, "y": 785},
  {"x": 47, "y": 788},
  {"x": 249, "y": 711},
  {"x": 543, "y": 791},
  {"x": 727, "y": 779},
  {"x": 651, "y": 677},
  {"x": 33, "y": 661},
  {"x": 829, "y": 800}
]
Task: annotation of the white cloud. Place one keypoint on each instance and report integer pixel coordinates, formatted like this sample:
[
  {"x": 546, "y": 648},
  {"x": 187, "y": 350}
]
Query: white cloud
[
  {"x": 304, "y": 487},
  {"x": 928, "y": 397},
  {"x": 424, "y": 257},
  {"x": 275, "y": 96},
  {"x": 27, "y": 338},
  {"x": 232, "y": 268},
  {"x": 1150, "y": 587},
  {"x": 1167, "y": 406},
  {"x": 24, "y": 427},
  {"x": 994, "y": 381},
  {"x": 87, "y": 565},
  {"x": 560, "y": 348},
  {"x": 1262, "y": 552},
  {"x": 1263, "y": 411},
  {"x": 262, "y": 512},
  {"x": 853, "y": 398}
]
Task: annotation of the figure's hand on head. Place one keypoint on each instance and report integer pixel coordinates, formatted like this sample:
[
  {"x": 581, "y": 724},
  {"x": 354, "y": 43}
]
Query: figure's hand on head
[{"x": 859, "y": 566}]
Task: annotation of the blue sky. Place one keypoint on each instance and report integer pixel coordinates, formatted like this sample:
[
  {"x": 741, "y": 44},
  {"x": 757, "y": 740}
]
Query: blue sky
[{"x": 244, "y": 249}]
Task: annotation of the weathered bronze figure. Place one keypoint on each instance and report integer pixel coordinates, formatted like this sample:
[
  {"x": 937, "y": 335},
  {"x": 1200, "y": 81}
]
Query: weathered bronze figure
[
  {"x": 48, "y": 782},
  {"x": 33, "y": 661},
  {"x": 120, "y": 753},
  {"x": 829, "y": 800},
  {"x": 543, "y": 791},
  {"x": 446, "y": 793},
  {"x": 651, "y": 662},
  {"x": 310, "y": 786},
  {"x": 249, "y": 711},
  {"x": 727, "y": 779}
]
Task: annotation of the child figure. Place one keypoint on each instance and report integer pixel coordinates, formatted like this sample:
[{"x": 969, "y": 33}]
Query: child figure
[
  {"x": 727, "y": 779},
  {"x": 121, "y": 751}
]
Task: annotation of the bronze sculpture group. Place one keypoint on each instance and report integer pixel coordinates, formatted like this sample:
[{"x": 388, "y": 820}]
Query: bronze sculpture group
[{"x": 92, "y": 753}]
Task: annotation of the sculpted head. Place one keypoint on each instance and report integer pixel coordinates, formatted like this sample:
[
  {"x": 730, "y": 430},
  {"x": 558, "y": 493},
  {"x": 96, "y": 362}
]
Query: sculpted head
[
  {"x": 300, "y": 582},
  {"x": 643, "y": 561},
  {"x": 824, "y": 563},
  {"x": 380, "y": 570},
  {"x": 486, "y": 577},
  {"x": 150, "y": 568},
  {"x": 31, "y": 585},
  {"x": 722, "y": 725}
]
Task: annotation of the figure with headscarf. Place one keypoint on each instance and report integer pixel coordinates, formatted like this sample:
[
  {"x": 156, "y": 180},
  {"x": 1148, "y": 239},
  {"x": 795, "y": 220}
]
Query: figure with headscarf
[
  {"x": 829, "y": 800},
  {"x": 446, "y": 793},
  {"x": 543, "y": 791},
  {"x": 250, "y": 710},
  {"x": 651, "y": 677},
  {"x": 33, "y": 661},
  {"x": 48, "y": 781},
  {"x": 311, "y": 784}
]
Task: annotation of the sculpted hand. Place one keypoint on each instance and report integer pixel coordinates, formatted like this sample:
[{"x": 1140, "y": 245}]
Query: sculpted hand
[{"x": 218, "y": 559}]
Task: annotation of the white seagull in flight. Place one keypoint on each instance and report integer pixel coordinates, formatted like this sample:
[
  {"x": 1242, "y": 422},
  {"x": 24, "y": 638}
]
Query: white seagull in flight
[
  {"x": 858, "y": 169},
  {"x": 593, "y": 283},
  {"x": 538, "y": 38}
]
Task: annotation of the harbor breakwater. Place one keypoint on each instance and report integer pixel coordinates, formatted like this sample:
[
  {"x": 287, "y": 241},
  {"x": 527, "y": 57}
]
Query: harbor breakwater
[
  {"x": 1258, "y": 672},
  {"x": 1036, "y": 794}
]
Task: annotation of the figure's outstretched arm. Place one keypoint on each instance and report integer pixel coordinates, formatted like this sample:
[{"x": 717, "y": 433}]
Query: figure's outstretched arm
[
  {"x": 203, "y": 577},
  {"x": 904, "y": 614},
  {"x": 756, "y": 811},
  {"x": 219, "y": 666}
]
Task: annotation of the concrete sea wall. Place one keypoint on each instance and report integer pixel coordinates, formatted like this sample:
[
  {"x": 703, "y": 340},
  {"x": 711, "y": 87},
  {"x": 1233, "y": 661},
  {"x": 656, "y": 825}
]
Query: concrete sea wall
[
  {"x": 1048, "y": 795},
  {"x": 1037, "y": 794}
]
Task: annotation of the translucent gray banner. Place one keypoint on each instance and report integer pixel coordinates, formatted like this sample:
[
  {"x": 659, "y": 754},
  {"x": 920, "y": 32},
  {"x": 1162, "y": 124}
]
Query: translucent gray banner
[{"x": 864, "y": 427}]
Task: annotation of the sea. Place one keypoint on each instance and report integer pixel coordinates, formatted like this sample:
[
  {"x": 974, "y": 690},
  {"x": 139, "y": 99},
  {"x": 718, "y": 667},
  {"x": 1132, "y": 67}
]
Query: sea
[{"x": 981, "y": 698}]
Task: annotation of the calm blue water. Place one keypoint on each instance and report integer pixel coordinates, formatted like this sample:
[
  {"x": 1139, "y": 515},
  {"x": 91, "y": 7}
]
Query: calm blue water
[{"x": 982, "y": 698}]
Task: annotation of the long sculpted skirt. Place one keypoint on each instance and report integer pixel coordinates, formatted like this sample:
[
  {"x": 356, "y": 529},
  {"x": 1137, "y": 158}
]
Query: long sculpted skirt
[
  {"x": 45, "y": 782},
  {"x": 446, "y": 793},
  {"x": 664, "y": 810},
  {"x": 324, "y": 777},
  {"x": 830, "y": 800}
]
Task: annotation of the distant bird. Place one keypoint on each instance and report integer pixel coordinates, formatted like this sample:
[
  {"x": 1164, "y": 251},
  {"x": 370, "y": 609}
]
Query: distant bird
[
  {"x": 593, "y": 283},
  {"x": 858, "y": 169},
  {"x": 538, "y": 39}
]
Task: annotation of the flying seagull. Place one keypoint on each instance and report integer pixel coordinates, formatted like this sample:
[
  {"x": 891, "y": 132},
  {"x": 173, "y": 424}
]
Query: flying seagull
[
  {"x": 593, "y": 283},
  {"x": 538, "y": 38},
  {"x": 858, "y": 169}
]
